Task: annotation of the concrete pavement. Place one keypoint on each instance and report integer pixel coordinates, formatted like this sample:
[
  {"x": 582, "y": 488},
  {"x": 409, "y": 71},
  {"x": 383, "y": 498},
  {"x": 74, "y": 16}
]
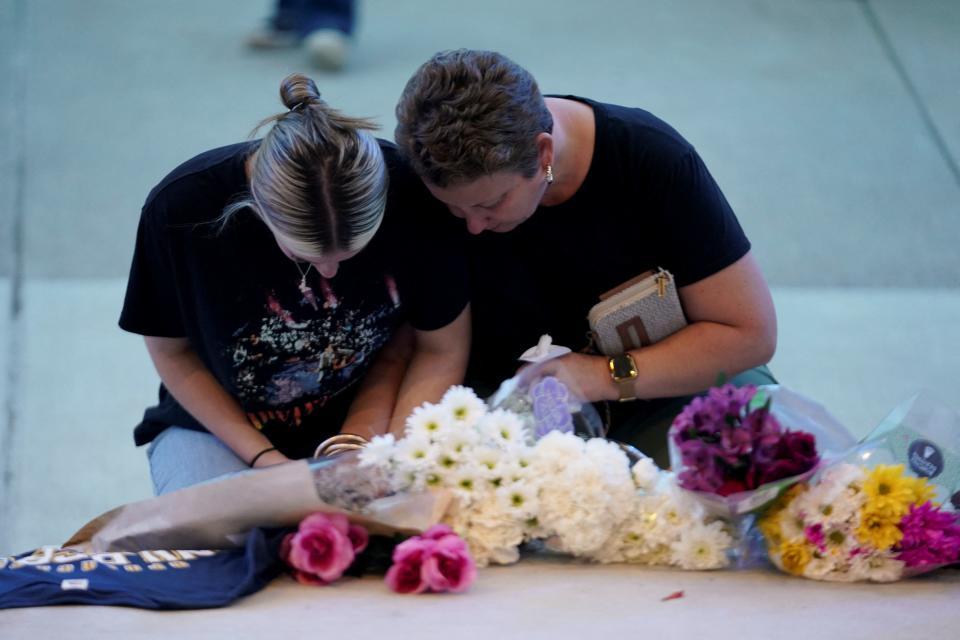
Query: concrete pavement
[{"x": 830, "y": 124}]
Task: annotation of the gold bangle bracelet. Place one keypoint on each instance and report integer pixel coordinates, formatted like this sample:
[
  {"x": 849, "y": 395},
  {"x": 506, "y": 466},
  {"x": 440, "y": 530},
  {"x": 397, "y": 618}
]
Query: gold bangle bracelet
[
  {"x": 338, "y": 449},
  {"x": 340, "y": 443}
]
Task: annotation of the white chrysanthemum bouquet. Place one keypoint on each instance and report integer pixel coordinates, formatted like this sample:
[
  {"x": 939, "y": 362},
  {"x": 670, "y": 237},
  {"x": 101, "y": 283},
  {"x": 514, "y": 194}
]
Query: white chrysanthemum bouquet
[{"x": 581, "y": 496}]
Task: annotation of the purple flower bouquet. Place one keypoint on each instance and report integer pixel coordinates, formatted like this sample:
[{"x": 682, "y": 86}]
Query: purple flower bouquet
[{"x": 730, "y": 448}]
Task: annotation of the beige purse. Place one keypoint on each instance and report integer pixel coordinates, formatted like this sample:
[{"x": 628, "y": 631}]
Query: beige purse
[{"x": 636, "y": 314}]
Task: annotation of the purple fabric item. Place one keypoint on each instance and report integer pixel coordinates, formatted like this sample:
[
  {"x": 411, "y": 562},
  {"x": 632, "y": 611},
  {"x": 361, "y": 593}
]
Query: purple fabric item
[{"x": 550, "y": 409}]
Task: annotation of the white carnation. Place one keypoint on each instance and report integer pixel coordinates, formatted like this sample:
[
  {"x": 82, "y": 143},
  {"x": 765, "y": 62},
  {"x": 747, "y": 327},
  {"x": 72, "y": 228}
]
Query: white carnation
[
  {"x": 553, "y": 452},
  {"x": 645, "y": 474},
  {"x": 492, "y": 534},
  {"x": 606, "y": 455}
]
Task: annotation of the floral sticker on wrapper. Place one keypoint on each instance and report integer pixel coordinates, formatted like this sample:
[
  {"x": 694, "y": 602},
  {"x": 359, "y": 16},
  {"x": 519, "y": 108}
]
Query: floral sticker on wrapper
[
  {"x": 543, "y": 401},
  {"x": 551, "y": 410}
]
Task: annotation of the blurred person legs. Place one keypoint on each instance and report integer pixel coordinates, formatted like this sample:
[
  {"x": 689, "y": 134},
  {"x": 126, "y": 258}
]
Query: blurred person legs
[
  {"x": 183, "y": 457},
  {"x": 322, "y": 27}
]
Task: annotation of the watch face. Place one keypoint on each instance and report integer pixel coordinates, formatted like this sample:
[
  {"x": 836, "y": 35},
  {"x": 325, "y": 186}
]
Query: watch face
[{"x": 622, "y": 366}]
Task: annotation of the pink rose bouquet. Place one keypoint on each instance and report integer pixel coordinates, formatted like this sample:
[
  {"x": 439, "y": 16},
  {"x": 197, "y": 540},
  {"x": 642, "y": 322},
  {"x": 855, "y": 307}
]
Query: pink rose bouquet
[
  {"x": 323, "y": 547},
  {"x": 437, "y": 561}
]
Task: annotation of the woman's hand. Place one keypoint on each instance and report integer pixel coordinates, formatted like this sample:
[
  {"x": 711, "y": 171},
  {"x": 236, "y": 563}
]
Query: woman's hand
[
  {"x": 733, "y": 327},
  {"x": 202, "y": 395},
  {"x": 586, "y": 376},
  {"x": 374, "y": 403}
]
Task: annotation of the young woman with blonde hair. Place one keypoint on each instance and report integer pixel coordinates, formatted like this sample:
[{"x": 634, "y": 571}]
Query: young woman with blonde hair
[{"x": 289, "y": 289}]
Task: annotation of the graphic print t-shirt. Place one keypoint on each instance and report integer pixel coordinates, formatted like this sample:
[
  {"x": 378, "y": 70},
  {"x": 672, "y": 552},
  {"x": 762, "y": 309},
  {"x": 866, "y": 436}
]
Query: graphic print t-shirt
[
  {"x": 292, "y": 357},
  {"x": 156, "y": 579}
]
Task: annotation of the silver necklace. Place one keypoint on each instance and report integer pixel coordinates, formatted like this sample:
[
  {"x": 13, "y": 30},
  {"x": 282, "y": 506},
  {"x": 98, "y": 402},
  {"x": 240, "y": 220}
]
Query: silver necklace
[{"x": 305, "y": 289}]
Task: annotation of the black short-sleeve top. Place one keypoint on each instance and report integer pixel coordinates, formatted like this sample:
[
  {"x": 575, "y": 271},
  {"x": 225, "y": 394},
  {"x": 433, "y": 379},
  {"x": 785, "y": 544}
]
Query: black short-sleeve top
[
  {"x": 292, "y": 357},
  {"x": 647, "y": 201}
]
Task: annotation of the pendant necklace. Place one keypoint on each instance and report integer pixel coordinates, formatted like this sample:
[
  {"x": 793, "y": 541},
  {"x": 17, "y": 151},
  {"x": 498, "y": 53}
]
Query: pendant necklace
[{"x": 304, "y": 287}]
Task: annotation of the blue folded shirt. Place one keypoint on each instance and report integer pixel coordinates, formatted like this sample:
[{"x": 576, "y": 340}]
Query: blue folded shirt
[{"x": 157, "y": 579}]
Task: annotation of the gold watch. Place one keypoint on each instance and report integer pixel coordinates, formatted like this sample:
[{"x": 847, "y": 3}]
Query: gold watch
[{"x": 623, "y": 371}]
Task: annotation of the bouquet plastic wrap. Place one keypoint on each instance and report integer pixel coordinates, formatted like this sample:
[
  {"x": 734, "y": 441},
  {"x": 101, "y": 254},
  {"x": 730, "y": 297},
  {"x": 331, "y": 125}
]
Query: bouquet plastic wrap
[
  {"x": 546, "y": 404},
  {"x": 886, "y": 511},
  {"x": 220, "y": 513},
  {"x": 736, "y": 449}
]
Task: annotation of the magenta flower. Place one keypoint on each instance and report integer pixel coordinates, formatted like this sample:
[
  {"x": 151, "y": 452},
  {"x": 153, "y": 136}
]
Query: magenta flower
[
  {"x": 728, "y": 447},
  {"x": 815, "y": 536},
  {"x": 795, "y": 453},
  {"x": 449, "y": 566},
  {"x": 438, "y": 531},
  {"x": 406, "y": 573},
  {"x": 931, "y": 537},
  {"x": 323, "y": 547},
  {"x": 437, "y": 561}
]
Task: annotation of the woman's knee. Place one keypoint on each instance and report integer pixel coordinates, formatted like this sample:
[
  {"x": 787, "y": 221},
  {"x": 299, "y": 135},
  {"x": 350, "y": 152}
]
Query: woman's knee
[{"x": 182, "y": 457}]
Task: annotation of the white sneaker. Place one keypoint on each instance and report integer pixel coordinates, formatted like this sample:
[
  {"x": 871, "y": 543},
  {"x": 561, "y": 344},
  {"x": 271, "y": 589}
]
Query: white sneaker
[
  {"x": 327, "y": 49},
  {"x": 267, "y": 37}
]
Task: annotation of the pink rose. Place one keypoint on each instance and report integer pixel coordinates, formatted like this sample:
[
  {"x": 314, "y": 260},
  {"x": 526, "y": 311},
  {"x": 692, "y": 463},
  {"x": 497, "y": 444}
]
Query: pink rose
[
  {"x": 323, "y": 547},
  {"x": 438, "y": 561},
  {"x": 406, "y": 573},
  {"x": 448, "y": 566},
  {"x": 437, "y": 531}
]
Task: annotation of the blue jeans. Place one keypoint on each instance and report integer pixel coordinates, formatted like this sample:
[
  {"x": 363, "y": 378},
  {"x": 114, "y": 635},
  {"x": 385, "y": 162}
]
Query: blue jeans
[
  {"x": 182, "y": 457},
  {"x": 306, "y": 16}
]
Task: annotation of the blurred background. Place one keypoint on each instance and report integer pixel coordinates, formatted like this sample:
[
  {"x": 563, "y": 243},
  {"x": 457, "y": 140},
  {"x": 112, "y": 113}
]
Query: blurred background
[{"x": 833, "y": 127}]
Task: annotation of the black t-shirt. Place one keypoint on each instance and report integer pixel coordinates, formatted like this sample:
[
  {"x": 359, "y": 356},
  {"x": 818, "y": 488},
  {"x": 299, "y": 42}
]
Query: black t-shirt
[
  {"x": 291, "y": 359},
  {"x": 647, "y": 201}
]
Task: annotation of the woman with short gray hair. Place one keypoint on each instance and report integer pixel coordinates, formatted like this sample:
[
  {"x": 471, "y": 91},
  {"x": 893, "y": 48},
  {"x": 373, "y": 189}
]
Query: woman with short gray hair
[{"x": 570, "y": 199}]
